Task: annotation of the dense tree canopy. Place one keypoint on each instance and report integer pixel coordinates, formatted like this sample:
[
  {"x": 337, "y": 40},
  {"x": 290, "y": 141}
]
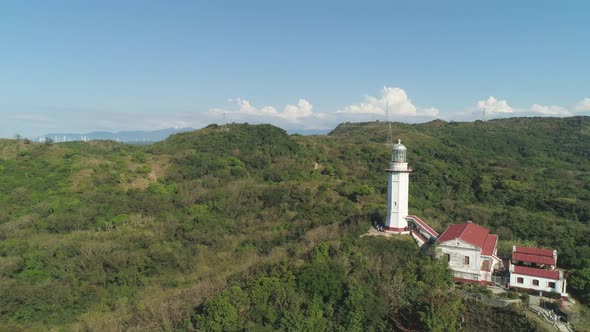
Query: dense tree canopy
[{"x": 247, "y": 228}]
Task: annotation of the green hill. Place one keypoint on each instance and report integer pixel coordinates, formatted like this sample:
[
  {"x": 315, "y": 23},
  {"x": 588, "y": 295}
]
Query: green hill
[
  {"x": 246, "y": 227},
  {"x": 525, "y": 178}
]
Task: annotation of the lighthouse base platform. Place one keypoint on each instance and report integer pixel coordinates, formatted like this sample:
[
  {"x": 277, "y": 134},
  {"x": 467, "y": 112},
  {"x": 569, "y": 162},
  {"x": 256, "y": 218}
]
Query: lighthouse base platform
[{"x": 394, "y": 230}]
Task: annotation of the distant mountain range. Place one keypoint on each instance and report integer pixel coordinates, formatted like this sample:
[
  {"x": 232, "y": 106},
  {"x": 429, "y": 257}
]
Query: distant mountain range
[
  {"x": 141, "y": 136},
  {"x": 136, "y": 136}
]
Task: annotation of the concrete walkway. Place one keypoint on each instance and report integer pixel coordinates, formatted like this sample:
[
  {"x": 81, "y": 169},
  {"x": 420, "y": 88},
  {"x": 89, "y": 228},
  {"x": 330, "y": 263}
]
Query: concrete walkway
[
  {"x": 497, "y": 290},
  {"x": 547, "y": 314}
]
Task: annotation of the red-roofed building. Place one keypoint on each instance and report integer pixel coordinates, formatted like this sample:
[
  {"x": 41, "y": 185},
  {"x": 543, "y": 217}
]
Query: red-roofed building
[
  {"x": 535, "y": 257},
  {"x": 471, "y": 251},
  {"x": 489, "y": 246},
  {"x": 531, "y": 271},
  {"x": 535, "y": 251},
  {"x": 535, "y": 269}
]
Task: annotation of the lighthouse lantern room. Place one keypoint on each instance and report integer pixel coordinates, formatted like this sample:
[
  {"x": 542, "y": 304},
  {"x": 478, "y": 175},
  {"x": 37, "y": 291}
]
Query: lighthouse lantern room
[{"x": 398, "y": 176}]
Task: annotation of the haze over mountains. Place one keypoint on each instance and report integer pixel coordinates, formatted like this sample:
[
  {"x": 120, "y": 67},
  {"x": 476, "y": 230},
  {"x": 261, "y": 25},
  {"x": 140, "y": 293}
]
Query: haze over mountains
[
  {"x": 135, "y": 136},
  {"x": 139, "y": 136}
]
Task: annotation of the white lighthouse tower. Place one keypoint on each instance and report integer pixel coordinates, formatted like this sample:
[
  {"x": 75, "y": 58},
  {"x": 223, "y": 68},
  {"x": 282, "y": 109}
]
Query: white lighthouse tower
[{"x": 398, "y": 177}]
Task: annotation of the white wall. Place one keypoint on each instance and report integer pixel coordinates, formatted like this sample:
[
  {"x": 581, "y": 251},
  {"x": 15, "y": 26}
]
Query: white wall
[
  {"x": 543, "y": 283},
  {"x": 457, "y": 250}
]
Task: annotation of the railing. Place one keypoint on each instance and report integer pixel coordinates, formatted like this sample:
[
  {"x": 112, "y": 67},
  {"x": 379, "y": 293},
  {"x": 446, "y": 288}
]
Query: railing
[
  {"x": 551, "y": 317},
  {"x": 500, "y": 280},
  {"x": 418, "y": 234},
  {"x": 466, "y": 275},
  {"x": 422, "y": 225}
]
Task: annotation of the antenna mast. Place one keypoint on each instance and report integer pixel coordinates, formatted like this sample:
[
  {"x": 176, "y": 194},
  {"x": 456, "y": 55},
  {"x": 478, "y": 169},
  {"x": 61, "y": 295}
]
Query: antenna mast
[{"x": 389, "y": 130}]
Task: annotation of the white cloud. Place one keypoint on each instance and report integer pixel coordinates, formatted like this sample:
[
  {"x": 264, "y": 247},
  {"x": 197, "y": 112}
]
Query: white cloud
[
  {"x": 246, "y": 111},
  {"x": 499, "y": 108},
  {"x": 33, "y": 120},
  {"x": 430, "y": 111},
  {"x": 247, "y": 108},
  {"x": 302, "y": 110},
  {"x": 502, "y": 109},
  {"x": 302, "y": 114},
  {"x": 583, "y": 105},
  {"x": 552, "y": 110},
  {"x": 493, "y": 105},
  {"x": 395, "y": 100}
]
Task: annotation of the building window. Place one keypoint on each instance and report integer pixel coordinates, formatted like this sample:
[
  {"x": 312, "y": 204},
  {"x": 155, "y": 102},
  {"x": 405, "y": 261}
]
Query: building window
[
  {"x": 520, "y": 280},
  {"x": 466, "y": 260},
  {"x": 535, "y": 282},
  {"x": 551, "y": 284},
  {"x": 448, "y": 257}
]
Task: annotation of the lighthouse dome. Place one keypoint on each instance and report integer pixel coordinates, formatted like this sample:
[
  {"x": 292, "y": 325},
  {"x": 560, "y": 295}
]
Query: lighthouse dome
[{"x": 399, "y": 153}]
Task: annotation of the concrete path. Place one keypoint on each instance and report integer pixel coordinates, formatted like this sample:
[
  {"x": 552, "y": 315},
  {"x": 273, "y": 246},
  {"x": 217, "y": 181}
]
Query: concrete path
[{"x": 546, "y": 314}]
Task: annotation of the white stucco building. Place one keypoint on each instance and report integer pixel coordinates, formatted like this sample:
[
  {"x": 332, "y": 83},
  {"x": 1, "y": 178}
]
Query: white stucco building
[
  {"x": 471, "y": 251},
  {"x": 536, "y": 269},
  {"x": 398, "y": 181}
]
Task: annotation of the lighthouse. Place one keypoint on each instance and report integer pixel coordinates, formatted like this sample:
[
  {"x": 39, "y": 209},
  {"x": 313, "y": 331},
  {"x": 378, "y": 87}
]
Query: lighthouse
[{"x": 398, "y": 182}]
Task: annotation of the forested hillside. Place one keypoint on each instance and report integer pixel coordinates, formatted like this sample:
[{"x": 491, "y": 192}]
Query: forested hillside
[
  {"x": 247, "y": 228},
  {"x": 525, "y": 178}
]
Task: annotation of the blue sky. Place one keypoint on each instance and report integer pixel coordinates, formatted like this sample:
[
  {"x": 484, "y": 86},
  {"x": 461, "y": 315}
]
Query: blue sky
[{"x": 77, "y": 66}]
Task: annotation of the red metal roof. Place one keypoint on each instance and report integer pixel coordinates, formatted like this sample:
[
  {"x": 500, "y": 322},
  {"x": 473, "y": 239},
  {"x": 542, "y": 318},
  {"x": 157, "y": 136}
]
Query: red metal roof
[
  {"x": 534, "y": 255},
  {"x": 534, "y": 251},
  {"x": 468, "y": 232},
  {"x": 516, "y": 256},
  {"x": 489, "y": 245},
  {"x": 541, "y": 273},
  {"x": 424, "y": 225}
]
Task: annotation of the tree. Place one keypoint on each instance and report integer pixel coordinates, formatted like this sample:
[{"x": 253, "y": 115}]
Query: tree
[
  {"x": 441, "y": 312},
  {"x": 221, "y": 313},
  {"x": 579, "y": 283}
]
